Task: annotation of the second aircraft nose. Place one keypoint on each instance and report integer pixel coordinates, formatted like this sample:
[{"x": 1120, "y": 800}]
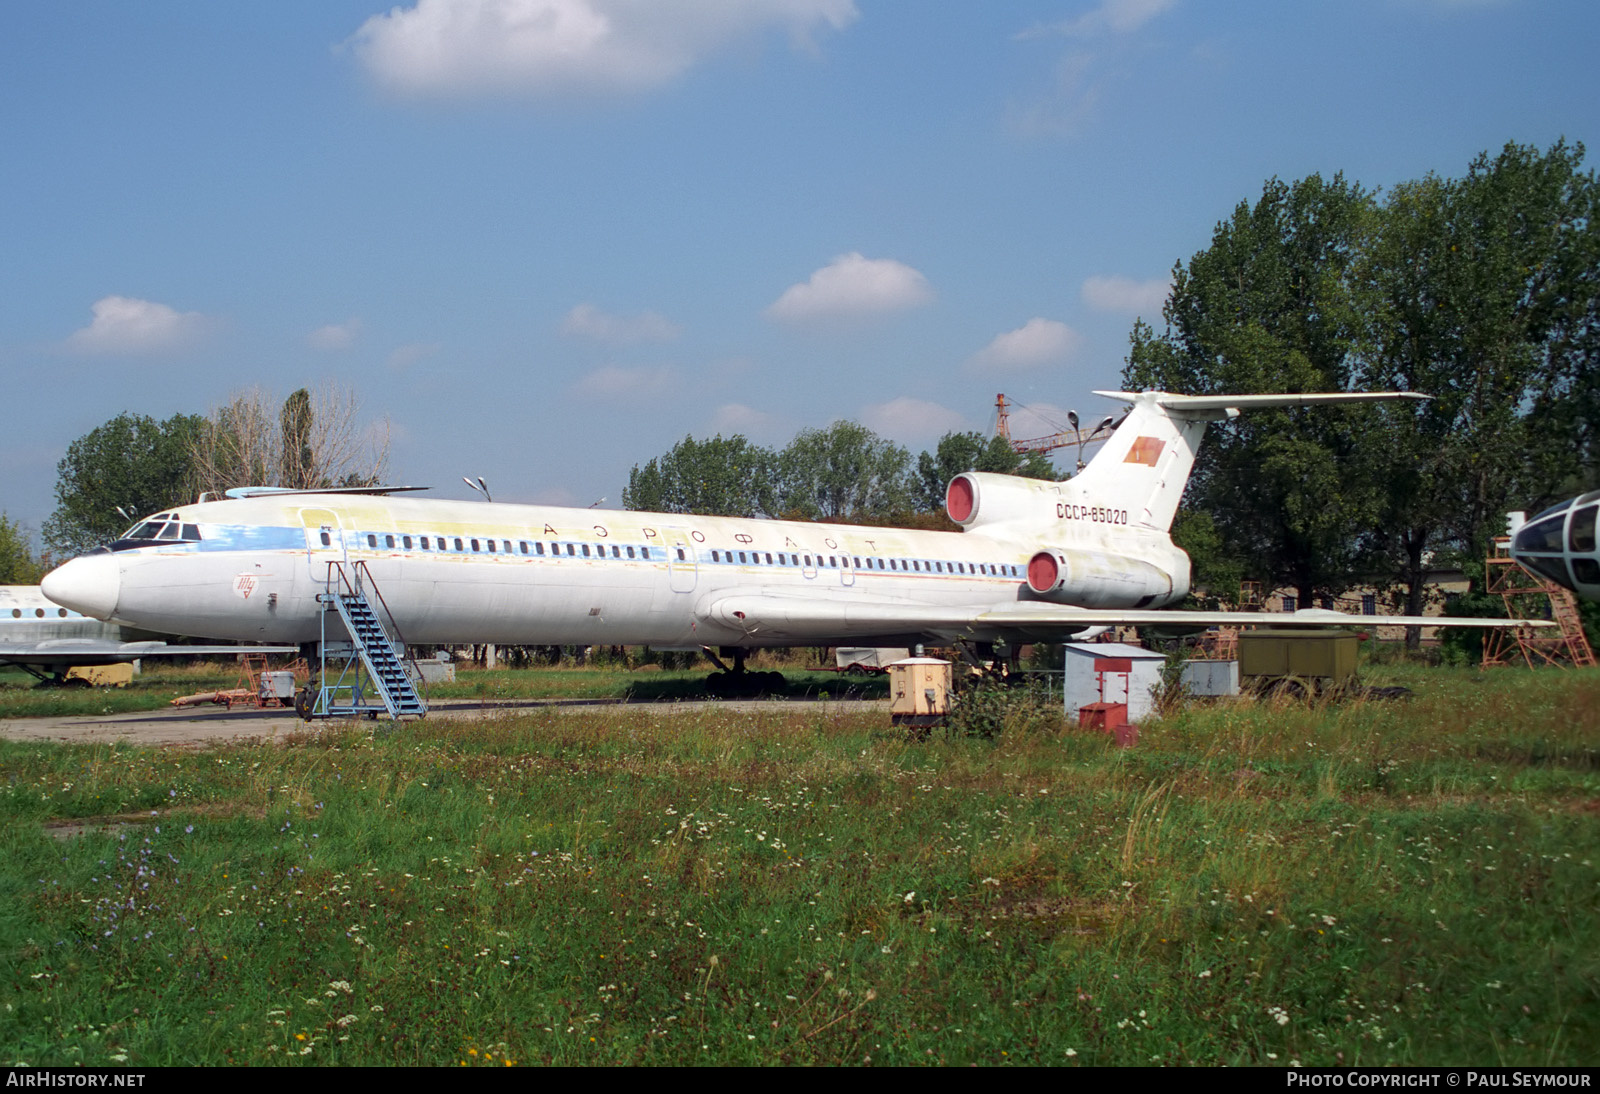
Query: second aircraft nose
[{"x": 90, "y": 585}]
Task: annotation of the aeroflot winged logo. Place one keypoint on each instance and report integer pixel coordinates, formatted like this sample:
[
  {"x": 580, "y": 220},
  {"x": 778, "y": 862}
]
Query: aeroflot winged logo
[{"x": 1145, "y": 450}]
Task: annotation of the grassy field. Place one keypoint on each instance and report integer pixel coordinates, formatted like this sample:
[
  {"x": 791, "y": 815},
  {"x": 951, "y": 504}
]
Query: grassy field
[
  {"x": 23, "y": 697},
  {"x": 1407, "y": 883},
  {"x": 158, "y": 685}
]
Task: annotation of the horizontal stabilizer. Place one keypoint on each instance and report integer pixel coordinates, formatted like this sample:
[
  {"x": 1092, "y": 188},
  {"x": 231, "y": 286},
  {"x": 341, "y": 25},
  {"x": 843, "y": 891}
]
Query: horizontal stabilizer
[{"x": 1222, "y": 406}]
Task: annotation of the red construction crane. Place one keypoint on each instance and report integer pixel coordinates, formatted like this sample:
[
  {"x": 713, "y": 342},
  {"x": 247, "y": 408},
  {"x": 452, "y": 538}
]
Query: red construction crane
[{"x": 1064, "y": 439}]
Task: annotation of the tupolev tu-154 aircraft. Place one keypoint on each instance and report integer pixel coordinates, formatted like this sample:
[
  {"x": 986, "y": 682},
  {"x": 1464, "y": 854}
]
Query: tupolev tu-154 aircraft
[{"x": 1034, "y": 560}]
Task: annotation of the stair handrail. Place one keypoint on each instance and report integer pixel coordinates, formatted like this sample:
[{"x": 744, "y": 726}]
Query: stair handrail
[{"x": 392, "y": 628}]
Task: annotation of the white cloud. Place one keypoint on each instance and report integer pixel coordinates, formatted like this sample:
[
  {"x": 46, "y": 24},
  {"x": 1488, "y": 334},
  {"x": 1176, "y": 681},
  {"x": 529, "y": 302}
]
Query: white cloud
[
  {"x": 634, "y": 383},
  {"x": 1067, "y": 106},
  {"x": 1125, "y": 295},
  {"x": 408, "y": 355},
  {"x": 335, "y": 336},
  {"x": 911, "y": 419},
  {"x": 1037, "y": 342},
  {"x": 123, "y": 324},
  {"x": 1099, "y": 60},
  {"x": 588, "y": 321},
  {"x": 541, "y": 48},
  {"x": 1112, "y": 16},
  {"x": 852, "y": 287}
]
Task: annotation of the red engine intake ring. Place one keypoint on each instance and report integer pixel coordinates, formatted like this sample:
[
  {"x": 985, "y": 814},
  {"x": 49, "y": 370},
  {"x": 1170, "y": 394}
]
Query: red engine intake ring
[
  {"x": 1043, "y": 572},
  {"x": 959, "y": 499}
]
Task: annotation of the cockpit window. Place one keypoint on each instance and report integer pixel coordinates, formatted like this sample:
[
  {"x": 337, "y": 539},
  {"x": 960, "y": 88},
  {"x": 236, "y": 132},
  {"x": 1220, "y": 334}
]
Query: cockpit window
[
  {"x": 1581, "y": 535},
  {"x": 1544, "y": 535},
  {"x": 160, "y": 530}
]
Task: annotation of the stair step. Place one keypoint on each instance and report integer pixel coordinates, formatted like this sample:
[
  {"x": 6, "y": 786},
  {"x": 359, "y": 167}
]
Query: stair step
[{"x": 377, "y": 652}]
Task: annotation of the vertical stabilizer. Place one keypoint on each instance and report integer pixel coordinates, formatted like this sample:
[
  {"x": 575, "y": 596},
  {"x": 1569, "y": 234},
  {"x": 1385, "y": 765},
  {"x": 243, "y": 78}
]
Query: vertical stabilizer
[{"x": 1145, "y": 465}]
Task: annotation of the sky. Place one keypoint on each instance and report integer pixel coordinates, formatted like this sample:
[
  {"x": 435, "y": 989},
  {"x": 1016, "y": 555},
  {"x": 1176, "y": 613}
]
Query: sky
[{"x": 548, "y": 239}]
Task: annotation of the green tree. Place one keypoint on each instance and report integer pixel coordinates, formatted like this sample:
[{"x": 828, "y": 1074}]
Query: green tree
[
  {"x": 132, "y": 462},
  {"x": 958, "y": 452},
  {"x": 18, "y": 566},
  {"x": 297, "y": 459},
  {"x": 845, "y": 471},
  {"x": 1485, "y": 297},
  {"x": 311, "y": 441},
  {"x": 1273, "y": 305},
  {"x": 716, "y": 477},
  {"x": 1215, "y": 566}
]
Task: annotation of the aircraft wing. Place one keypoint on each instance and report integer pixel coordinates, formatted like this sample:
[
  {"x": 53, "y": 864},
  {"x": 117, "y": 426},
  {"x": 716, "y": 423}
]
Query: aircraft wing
[
  {"x": 67, "y": 652},
  {"x": 830, "y": 617}
]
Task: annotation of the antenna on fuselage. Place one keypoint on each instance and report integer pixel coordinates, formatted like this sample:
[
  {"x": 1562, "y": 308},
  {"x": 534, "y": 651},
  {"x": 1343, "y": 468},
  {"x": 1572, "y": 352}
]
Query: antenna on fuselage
[
  {"x": 480, "y": 486},
  {"x": 602, "y": 501},
  {"x": 125, "y": 515}
]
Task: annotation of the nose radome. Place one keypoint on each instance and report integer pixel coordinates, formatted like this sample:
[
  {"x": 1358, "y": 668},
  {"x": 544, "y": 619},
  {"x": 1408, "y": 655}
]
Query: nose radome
[{"x": 90, "y": 585}]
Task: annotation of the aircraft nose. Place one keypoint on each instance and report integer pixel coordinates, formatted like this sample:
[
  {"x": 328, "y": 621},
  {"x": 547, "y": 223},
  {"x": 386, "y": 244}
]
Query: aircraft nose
[{"x": 90, "y": 585}]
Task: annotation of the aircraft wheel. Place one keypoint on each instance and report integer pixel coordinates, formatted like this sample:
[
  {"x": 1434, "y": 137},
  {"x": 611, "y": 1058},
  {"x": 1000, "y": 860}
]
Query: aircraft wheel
[
  {"x": 717, "y": 683},
  {"x": 304, "y": 703}
]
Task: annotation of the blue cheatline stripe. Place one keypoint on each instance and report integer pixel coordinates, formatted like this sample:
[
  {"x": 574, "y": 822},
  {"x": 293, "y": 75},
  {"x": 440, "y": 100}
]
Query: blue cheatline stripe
[{"x": 250, "y": 537}]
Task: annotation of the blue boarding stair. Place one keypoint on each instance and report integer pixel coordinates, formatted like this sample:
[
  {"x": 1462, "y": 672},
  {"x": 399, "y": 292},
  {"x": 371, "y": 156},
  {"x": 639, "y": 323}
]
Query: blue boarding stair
[{"x": 371, "y": 664}]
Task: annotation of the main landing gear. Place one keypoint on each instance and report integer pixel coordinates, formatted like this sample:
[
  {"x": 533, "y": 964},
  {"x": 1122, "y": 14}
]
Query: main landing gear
[
  {"x": 735, "y": 682},
  {"x": 983, "y": 659}
]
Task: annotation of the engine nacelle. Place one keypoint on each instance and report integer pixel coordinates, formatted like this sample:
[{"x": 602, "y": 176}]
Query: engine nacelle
[
  {"x": 979, "y": 497},
  {"x": 1093, "y": 579}
]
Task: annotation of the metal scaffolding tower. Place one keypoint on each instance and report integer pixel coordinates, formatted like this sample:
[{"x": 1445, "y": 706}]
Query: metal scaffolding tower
[{"x": 1528, "y": 595}]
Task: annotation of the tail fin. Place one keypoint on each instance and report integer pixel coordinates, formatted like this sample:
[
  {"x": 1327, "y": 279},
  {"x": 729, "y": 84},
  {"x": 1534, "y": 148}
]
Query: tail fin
[{"x": 1145, "y": 466}]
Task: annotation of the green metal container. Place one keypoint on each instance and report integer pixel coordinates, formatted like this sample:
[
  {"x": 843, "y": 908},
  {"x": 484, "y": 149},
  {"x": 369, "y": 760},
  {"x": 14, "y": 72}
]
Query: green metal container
[{"x": 1326, "y": 658}]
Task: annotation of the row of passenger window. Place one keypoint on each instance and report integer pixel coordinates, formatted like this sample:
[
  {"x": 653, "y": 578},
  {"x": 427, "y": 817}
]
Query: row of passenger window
[
  {"x": 902, "y": 565},
  {"x": 533, "y": 548},
  {"x": 536, "y": 548}
]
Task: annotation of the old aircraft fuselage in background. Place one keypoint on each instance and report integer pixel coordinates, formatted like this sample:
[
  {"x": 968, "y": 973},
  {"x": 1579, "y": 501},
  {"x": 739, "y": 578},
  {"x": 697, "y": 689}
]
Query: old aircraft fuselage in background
[{"x": 1560, "y": 544}]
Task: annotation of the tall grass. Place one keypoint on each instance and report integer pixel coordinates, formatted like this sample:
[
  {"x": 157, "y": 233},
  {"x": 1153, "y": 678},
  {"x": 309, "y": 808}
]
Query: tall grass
[{"x": 1366, "y": 884}]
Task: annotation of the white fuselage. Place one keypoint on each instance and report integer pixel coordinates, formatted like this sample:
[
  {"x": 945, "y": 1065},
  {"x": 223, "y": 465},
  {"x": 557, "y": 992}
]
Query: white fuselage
[{"x": 458, "y": 572}]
